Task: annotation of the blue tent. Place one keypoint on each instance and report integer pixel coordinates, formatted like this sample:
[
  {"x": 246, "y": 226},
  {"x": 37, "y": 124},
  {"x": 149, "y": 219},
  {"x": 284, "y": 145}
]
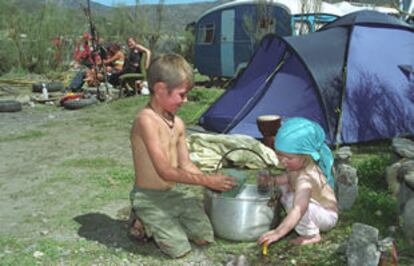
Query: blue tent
[{"x": 355, "y": 77}]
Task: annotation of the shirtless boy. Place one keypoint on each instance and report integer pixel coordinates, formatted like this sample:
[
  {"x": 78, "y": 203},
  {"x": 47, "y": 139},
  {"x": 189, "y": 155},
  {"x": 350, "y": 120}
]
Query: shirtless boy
[{"x": 161, "y": 160}]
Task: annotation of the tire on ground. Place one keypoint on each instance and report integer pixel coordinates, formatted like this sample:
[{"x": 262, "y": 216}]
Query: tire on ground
[
  {"x": 10, "y": 106},
  {"x": 79, "y": 103},
  {"x": 51, "y": 87}
]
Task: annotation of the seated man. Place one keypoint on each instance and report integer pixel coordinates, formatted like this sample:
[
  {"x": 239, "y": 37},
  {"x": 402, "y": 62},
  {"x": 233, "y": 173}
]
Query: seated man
[
  {"x": 134, "y": 60},
  {"x": 136, "y": 51}
]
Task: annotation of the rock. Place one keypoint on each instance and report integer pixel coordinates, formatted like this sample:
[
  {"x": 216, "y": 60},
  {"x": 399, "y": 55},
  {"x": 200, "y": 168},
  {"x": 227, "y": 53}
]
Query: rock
[
  {"x": 391, "y": 175},
  {"x": 409, "y": 178},
  {"x": 238, "y": 261},
  {"x": 44, "y": 232},
  {"x": 407, "y": 166},
  {"x": 346, "y": 186},
  {"x": 408, "y": 221},
  {"x": 405, "y": 193},
  {"x": 362, "y": 246},
  {"x": 392, "y": 229},
  {"x": 343, "y": 155},
  {"x": 38, "y": 254},
  {"x": 403, "y": 147}
]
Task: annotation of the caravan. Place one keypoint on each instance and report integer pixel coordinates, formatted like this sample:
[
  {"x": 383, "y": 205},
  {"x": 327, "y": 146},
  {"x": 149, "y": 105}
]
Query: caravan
[{"x": 227, "y": 35}]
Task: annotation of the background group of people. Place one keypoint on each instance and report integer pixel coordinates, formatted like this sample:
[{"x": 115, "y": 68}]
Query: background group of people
[{"x": 107, "y": 62}]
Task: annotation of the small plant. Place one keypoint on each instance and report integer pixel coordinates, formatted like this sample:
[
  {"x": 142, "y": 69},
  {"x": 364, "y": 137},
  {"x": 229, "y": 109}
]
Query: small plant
[{"x": 371, "y": 171}]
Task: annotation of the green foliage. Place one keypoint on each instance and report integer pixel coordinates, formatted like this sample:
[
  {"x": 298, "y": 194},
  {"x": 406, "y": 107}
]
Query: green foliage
[
  {"x": 28, "y": 28},
  {"x": 374, "y": 208},
  {"x": 29, "y": 36},
  {"x": 371, "y": 171}
]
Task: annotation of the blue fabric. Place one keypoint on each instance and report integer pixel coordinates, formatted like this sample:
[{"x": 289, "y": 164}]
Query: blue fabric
[
  {"x": 338, "y": 77},
  {"x": 302, "y": 136},
  {"x": 219, "y": 117}
]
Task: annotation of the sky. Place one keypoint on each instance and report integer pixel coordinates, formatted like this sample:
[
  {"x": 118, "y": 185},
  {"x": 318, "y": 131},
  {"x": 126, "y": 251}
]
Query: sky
[{"x": 132, "y": 2}]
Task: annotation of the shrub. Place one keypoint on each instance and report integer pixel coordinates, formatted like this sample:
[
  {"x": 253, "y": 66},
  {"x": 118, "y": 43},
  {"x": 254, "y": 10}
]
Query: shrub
[{"x": 371, "y": 171}]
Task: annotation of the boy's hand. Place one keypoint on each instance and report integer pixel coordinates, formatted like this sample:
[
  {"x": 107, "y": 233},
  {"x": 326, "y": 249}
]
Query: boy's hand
[{"x": 221, "y": 182}]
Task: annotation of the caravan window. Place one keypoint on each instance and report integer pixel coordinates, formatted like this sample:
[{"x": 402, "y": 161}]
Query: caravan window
[{"x": 206, "y": 33}]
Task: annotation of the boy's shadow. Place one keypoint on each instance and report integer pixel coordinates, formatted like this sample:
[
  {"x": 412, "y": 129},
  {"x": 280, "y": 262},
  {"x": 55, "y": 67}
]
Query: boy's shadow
[{"x": 112, "y": 233}]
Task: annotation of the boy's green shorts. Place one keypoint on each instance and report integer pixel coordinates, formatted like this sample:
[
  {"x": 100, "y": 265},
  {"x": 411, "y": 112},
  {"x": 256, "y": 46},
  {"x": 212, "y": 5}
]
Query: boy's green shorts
[{"x": 172, "y": 219}]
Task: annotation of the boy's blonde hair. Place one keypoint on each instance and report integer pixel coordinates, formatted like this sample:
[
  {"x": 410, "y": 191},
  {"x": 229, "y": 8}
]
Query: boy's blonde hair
[{"x": 172, "y": 69}]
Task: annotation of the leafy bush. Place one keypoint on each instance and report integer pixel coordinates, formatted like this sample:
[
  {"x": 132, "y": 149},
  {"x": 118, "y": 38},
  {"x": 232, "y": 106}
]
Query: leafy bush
[
  {"x": 376, "y": 208},
  {"x": 371, "y": 171}
]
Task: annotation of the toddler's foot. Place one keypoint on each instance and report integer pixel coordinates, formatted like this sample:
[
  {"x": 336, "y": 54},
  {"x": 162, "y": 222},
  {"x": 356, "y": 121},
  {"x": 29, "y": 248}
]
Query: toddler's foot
[{"x": 303, "y": 240}]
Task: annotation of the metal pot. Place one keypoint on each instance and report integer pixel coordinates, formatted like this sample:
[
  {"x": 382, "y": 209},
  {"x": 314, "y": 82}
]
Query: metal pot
[{"x": 242, "y": 218}]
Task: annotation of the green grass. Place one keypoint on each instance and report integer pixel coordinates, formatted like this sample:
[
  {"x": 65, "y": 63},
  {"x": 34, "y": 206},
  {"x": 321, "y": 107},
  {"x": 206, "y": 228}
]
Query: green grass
[
  {"x": 371, "y": 171},
  {"x": 199, "y": 100},
  {"x": 30, "y": 135},
  {"x": 105, "y": 180},
  {"x": 92, "y": 163}
]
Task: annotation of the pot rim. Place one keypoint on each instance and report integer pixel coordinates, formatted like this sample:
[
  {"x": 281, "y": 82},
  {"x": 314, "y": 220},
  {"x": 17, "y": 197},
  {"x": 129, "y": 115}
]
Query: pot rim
[{"x": 217, "y": 195}]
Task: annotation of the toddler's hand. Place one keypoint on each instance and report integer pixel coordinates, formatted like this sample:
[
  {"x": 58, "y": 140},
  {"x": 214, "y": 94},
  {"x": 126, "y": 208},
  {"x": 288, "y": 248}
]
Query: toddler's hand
[{"x": 268, "y": 238}]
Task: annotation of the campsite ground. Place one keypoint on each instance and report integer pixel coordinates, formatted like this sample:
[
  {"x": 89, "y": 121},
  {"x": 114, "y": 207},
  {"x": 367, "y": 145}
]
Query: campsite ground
[{"x": 65, "y": 178}]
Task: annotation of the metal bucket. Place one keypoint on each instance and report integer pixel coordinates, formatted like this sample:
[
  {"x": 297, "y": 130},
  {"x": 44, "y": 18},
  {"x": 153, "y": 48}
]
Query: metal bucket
[{"x": 243, "y": 218}]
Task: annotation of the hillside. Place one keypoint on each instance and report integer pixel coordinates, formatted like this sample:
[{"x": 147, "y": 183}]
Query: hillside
[{"x": 175, "y": 17}]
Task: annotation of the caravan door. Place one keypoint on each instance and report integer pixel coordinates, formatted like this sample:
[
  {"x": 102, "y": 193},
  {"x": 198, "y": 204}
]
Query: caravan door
[{"x": 227, "y": 42}]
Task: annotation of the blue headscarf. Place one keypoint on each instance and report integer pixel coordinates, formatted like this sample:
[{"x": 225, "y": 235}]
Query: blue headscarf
[{"x": 302, "y": 136}]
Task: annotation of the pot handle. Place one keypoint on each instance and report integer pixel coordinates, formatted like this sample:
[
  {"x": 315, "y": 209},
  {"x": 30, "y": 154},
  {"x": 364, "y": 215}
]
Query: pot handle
[
  {"x": 241, "y": 148},
  {"x": 274, "y": 200}
]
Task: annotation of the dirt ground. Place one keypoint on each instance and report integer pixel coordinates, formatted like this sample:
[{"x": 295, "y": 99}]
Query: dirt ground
[
  {"x": 32, "y": 150},
  {"x": 45, "y": 197}
]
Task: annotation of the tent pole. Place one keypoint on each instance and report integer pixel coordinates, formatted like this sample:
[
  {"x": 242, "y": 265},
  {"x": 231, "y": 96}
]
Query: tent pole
[{"x": 237, "y": 116}]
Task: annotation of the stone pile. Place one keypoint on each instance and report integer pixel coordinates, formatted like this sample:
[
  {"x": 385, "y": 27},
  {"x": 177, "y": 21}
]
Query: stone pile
[
  {"x": 346, "y": 179},
  {"x": 400, "y": 178}
]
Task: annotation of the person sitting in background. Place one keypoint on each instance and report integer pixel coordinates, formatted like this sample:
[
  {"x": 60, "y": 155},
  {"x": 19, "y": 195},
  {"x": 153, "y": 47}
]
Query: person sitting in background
[
  {"x": 136, "y": 51},
  {"x": 133, "y": 65},
  {"x": 115, "y": 63}
]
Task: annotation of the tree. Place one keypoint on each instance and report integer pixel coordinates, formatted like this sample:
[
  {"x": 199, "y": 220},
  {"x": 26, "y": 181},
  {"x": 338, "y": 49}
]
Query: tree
[{"x": 260, "y": 24}]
